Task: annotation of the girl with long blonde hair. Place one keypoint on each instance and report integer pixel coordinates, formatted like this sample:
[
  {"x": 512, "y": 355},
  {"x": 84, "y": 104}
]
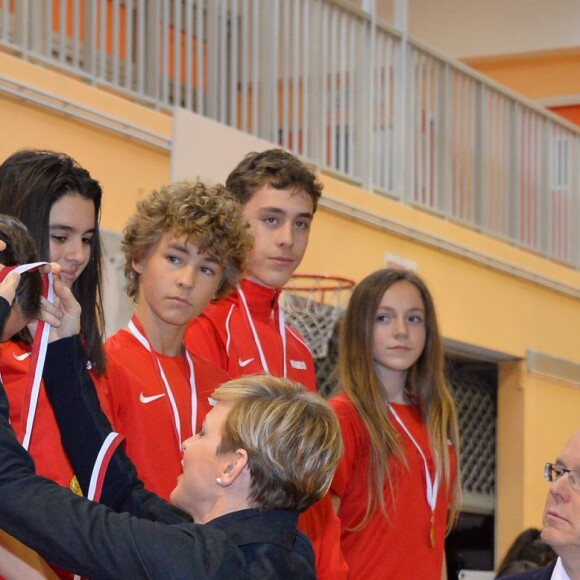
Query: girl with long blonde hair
[{"x": 397, "y": 488}]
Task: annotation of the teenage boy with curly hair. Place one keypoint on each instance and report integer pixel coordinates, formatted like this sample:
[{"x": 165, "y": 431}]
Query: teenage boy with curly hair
[{"x": 185, "y": 245}]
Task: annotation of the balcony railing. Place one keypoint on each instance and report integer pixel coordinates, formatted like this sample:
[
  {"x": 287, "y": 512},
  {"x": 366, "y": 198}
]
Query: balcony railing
[{"x": 341, "y": 90}]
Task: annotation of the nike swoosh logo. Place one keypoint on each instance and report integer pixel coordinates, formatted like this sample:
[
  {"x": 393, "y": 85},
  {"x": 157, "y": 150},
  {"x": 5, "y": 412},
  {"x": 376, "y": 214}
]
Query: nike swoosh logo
[
  {"x": 150, "y": 399},
  {"x": 21, "y": 357},
  {"x": 298, "y": 364},
  {"x": 245, "y": 363}
]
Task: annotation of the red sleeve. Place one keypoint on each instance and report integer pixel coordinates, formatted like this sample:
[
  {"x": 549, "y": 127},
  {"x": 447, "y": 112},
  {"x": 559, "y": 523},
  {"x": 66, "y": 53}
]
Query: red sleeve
[
  {"x": 353, "y": 437},
  {"x": 203, "y": 339},
  {"x": 322, "y": 527}
]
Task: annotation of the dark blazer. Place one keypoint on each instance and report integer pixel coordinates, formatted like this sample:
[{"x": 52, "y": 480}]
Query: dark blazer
[
  {"x": 538, "y": 574},
  {"x": 142, "y": 536}
]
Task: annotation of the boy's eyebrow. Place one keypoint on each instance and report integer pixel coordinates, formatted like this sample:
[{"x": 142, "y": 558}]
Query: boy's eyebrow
[
  {"x": 277, "y": 210},
  {"x": 211, "y": 259},
  {"x": 177, "y": 246},
  {"x": 183, "y": 248}
]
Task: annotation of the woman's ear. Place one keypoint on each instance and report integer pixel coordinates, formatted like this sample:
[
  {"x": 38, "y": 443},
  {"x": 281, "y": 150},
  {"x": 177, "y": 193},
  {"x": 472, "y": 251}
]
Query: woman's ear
[
  {"x": 137, "y": 266},
  {"x": 235, "y": 465}
]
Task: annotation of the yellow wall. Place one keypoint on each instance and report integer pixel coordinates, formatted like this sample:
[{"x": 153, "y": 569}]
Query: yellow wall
[
  {"x": 478, "y": 305},
  {"x": 127, "y": 169}
]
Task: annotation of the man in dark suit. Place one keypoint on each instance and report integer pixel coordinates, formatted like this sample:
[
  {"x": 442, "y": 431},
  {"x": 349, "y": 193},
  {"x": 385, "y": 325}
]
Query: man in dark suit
[{"x": 562, "y": 516}]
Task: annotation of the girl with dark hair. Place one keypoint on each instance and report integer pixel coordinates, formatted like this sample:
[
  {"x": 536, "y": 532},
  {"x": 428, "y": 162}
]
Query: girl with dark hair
[
  {"x": 396, "y": 490},
  {"x": 60, "y": 204}
]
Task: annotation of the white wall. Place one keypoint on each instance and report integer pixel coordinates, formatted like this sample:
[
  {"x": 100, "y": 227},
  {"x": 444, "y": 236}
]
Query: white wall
[
  {"x": 472, "y": 28},
  {"x": 206, "y": 150}
]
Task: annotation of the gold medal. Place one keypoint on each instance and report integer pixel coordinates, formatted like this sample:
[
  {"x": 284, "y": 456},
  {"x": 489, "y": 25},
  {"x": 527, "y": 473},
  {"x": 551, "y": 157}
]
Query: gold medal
[{"x": 75, "y": 486}]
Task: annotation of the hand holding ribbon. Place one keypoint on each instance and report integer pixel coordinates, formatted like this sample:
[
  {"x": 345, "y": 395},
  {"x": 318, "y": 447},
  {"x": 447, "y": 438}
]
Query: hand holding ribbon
[
  {"x": 69, "y": 312},
  {"x": 50, "y": 313}
]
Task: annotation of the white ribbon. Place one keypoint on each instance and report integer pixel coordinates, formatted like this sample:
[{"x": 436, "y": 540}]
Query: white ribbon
[
  {"x": 432, "y": 487},
  {"x": 34, "y": 393},
  {"x": 177, "y": 422},
  {"x": 258, "y": 343}
]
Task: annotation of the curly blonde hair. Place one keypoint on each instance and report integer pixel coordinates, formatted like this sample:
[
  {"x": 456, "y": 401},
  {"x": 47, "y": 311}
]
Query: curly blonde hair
[{"x": 208, "y": 216}]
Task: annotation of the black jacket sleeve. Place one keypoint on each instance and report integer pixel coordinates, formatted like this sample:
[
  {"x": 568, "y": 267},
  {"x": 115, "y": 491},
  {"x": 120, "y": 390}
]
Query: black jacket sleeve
[
  {"x": 91, "y": 539},
  {"x": 84, "y": 427}
]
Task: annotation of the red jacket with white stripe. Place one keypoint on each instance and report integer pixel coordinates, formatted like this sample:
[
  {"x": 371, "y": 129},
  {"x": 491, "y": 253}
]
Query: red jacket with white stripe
[
  {"x": 223, "y": 335},
  {"x": 133, "y": 396}
]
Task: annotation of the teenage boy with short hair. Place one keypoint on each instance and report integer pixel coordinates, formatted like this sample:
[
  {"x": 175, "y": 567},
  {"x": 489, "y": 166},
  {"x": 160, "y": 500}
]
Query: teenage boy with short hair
[
  {"x": 244, "y": 333},
  {"x": 185, "y": 245}
]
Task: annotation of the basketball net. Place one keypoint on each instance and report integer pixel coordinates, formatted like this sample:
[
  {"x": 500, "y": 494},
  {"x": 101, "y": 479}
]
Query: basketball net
[{"x": 313, "y": 303}]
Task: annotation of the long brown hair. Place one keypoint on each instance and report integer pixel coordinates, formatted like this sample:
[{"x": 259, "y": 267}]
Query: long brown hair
[
  {"x": 31, "y": 182},
  {"x": 425, "y": 382}
]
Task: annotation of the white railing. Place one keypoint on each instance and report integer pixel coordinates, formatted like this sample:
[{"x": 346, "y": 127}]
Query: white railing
[{"x": 329, "y": 83}]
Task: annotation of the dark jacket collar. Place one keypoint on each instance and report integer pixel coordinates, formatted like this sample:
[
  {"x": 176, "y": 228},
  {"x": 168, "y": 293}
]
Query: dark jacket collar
[{"x": 265, "y": 526}]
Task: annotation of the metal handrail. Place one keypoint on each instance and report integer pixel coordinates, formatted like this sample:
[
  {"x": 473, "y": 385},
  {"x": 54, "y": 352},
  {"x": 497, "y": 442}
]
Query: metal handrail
[{"x": 345, "y": 91}]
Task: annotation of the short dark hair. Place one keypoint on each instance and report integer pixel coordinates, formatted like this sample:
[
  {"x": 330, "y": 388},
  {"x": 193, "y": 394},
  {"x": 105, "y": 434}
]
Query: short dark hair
[
  {"x": 276, "y": 168},
  {"x": 20, "y": 249},
  {"x": 31, "y": 182}
]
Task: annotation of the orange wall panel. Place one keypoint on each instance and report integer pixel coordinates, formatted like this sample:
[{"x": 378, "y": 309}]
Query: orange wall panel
[{"x": 535, "y": 76}]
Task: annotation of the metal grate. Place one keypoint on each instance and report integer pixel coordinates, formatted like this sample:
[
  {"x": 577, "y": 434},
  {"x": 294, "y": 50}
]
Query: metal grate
[
  {"x": 374, "y": 106},
  {"x": 474, "y": 393},
  {"x": 326, "y": 368}
]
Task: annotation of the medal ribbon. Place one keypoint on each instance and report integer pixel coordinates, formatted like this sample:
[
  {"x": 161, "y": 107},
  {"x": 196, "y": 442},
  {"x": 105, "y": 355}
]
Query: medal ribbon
[
  {"x": 431, "y": 486},
  {"x": 136, "y": 332},
  {"x": 38, "y": 355},
  {"x": 258, "y": 343}
]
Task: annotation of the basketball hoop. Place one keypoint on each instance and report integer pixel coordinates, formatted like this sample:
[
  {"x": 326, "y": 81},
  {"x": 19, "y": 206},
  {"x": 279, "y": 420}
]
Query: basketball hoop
[{"x": 312, "y": 304}]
